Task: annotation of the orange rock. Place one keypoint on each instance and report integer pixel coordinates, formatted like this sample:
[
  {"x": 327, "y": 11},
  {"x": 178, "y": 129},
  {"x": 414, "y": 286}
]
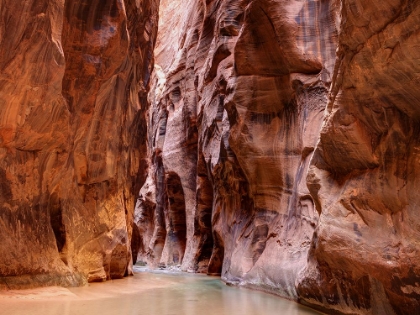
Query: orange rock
[{"x": 73, "y": 84}]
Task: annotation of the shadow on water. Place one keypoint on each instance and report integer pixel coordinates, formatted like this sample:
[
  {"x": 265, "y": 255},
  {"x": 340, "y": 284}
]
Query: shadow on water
[{"x": 149, "y": 293}]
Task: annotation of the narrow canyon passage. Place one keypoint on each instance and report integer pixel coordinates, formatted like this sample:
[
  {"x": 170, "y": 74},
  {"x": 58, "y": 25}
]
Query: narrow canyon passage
[
  {"x": 273, "y": 143},
  {"x": 147, "y": 293}
]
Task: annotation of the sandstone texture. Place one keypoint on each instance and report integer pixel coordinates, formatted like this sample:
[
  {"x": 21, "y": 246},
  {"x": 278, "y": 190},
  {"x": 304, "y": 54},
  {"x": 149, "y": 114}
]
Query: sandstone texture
[
  {"x": 73, "y": 93},
  {"x": 278, "y": 145},
  {"x": 283, "y": 149},
  {"x": 364, "y": 176}
]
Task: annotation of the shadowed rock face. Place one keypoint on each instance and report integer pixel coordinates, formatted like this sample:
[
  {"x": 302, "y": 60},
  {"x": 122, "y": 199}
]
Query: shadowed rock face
[
  {"x": 73, "y": 83},
  {"x": 292, "y": 129}
]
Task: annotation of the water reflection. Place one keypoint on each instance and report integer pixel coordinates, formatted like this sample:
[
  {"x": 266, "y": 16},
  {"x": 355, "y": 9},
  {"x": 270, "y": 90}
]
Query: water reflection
[{"x": 149, "y": 294}]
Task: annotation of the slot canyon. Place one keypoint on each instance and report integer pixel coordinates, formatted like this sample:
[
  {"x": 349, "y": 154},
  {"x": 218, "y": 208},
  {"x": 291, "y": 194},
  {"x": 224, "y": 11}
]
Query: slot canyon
[{"x": 273, "y": 143}]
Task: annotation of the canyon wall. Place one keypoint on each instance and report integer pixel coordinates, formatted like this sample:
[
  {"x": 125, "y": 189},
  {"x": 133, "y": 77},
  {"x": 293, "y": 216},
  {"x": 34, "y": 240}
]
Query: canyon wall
[
  {"x": 73, "y": 94},
  {"x": 364, "y": 176},
  {"x": 280, "y": 150},
  {"x": 283, "y": 149}
]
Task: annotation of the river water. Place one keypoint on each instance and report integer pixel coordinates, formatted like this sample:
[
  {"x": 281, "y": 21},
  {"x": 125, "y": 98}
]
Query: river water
[{"x": 149, "y": 293}]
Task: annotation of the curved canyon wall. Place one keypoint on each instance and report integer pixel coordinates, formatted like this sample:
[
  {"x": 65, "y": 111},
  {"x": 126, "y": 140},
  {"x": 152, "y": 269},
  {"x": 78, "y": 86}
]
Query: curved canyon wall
[
  {"x": 73, "y": 94},
  {"x": 280, "y": 148},
  {"x": 283, "y": 150}
]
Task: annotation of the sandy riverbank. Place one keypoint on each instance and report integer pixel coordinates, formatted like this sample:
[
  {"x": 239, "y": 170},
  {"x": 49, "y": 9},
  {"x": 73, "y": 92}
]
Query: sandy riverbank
[{"x": 148, "y": 294}]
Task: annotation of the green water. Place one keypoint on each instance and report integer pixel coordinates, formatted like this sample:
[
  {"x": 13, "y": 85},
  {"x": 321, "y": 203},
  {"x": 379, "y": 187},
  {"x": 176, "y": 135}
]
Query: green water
[{"x": 149, "y": 294}]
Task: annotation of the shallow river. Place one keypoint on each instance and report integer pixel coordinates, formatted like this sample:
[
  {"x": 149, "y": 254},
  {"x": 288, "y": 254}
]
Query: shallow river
[{"x": 149, "y": 294}]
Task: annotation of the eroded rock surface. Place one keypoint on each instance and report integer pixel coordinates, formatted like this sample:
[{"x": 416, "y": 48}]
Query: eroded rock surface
[
  {"x": 238, "y": 101},
  {"x": 364, "y": 175},
  {"x": 73, "y": 84},
  {"x": 282, "y": 145},
  {"x": 285, "y": 134}
]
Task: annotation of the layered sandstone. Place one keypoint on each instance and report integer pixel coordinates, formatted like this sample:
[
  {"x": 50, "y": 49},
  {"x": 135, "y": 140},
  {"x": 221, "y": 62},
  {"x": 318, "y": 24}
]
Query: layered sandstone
[
  {"x": 73, "y": 84},
  {"x": 282, "y": 140},
  {"x": 282, "y": 145}
]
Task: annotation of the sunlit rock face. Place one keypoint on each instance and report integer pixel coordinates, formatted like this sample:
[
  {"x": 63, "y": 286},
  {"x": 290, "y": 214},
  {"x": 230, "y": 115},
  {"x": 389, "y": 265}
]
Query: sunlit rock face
[
  {"x": 73, "y": 84},
  {"x": 282, "y": 142}
]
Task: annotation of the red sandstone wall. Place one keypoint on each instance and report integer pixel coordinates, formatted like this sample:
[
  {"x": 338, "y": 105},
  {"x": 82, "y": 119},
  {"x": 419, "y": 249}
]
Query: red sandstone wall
[
  {"x": 280, "y": 149},
  {"x": 73, "y": 83}
]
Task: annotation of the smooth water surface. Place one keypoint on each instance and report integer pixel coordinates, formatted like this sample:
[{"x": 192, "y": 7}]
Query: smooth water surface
[{"x": 149, "y": 293}]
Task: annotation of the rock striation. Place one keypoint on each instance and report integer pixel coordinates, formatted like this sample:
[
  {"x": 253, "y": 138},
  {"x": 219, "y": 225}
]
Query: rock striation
[
  {"x": 73, "y": 94},
  {"x": 364, "y": 174},
  {"x": 282, "y": 144},
  {"x": 278, "y": 145}
]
